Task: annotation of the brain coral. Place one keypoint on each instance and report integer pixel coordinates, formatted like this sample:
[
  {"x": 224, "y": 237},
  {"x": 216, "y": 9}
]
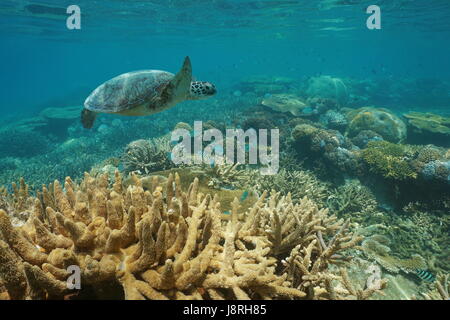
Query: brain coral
[
  {"x": 378, "y": 120},
  {"x": 154, "y": 244}
]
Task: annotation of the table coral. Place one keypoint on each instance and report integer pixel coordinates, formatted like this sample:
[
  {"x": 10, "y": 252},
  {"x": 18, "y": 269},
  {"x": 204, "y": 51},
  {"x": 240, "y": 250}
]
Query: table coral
[
  {"x": 168, "y": 244},
  {"x": 429, "y": 128},
  {"x": 285, "y": 103}
]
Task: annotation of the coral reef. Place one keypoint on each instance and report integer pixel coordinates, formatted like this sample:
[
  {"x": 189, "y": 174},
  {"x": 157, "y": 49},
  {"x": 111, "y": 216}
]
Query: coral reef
[
  {"x": 333, "y": 120},
  {"x": 298, "y": 183},
  {"x": 389, "y": 160},
  {"x": 224, "y": 176},
  {"x": 330, "y": 145},
  {"x": 352, "y": 200},
  {"x": 133, "y": 244},
  {"x": 261, "y": 85},
  {"x": 381, "y": 121},
  {"x": 428, "y": 128},
  {"x": 328, "y": 87},
  {"x": 376, "y": 247},
  {"x": 285, "y": 103},
  {"x": 22, "y": 142},
  {"x": 364, "y": 137},
  {"x": 58, "y": 120},
  {"x": 441, "y": 290},
  {"x": 146, "y": 156}
]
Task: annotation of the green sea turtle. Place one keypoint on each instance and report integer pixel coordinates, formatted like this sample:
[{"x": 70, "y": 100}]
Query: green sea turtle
[{"x": 144, "y": 92}]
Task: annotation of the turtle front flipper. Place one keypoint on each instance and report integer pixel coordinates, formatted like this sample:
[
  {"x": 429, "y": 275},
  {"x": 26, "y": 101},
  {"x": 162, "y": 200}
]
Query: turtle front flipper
[
  {"x": 179, "y": 87},
  {"x": 88, "y": 118}
]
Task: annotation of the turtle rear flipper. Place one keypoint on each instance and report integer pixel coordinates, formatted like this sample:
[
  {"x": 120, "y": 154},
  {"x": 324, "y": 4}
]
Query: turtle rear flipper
[
  {"x": 179, "y": 86},
  {"x": 88, "y": 118}
]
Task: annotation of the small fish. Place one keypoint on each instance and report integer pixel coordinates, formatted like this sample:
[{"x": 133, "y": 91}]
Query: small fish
[
  {"x": 244, "y": 195},
  {"x": 227, "y": 212},
  {"x": 425, "y": 275}
]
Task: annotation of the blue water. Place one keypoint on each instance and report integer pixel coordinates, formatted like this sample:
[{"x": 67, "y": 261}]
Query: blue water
[
  {"x": 45, "y": 64},
  {"x": 375, "y": 166}
]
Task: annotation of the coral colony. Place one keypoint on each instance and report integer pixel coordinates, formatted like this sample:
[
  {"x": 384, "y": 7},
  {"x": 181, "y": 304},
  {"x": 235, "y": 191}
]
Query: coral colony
[{"x": 257, "y": 148}]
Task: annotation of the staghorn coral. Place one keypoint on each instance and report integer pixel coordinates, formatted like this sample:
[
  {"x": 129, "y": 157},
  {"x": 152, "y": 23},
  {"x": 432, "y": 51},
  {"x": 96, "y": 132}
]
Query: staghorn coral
[
  {"x": 145, "y": 156},
  {"x": 352, "y": 199},
  {"x": 441, "y": 290},
  {"x": 224, "y": 175},
  {"x": 299, "y": 183},
  {"x": 166, "y": 245}
]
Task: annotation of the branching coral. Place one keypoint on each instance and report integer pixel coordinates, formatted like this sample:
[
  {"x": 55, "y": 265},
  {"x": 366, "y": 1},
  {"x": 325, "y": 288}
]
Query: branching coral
[
  {"x": 376, "y": 248},
  {"x": 441, "y": 290},
  {"x": 352, "y": 199},
  {"x": 167, "y": 245},
  {"x": 17, "y": 203},
  {"x": 223, "y": 175},
  {"x": 145, "y": 156},
  {"x": 298, "y": 183},
  {"x": 389, "y": 160}
]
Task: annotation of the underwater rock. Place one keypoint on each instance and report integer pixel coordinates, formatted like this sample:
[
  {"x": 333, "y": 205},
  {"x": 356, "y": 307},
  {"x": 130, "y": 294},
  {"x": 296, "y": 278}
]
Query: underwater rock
[
  {"x": 285, "y": 103},
  {"x": 328, "y": 87},
  {"x": 424, "y": 128},
  {"x": 379, "y": 120},
  {"x": 59, "y": 119},
  {"x": 67, "y": 114}
]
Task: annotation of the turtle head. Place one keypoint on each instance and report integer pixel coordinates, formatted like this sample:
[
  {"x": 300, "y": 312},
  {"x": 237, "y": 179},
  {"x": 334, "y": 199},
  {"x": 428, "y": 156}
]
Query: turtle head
[{"x": 201, "y": 90}]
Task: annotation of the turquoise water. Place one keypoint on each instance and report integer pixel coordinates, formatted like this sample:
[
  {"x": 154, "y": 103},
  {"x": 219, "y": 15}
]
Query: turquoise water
[
  {"x": 44, "y": 62},
  {"x": 363, "y": 115}
]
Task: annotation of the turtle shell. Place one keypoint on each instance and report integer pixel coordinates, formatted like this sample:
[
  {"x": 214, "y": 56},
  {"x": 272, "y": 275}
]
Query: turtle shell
[{"x": 127, "y": 91}]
